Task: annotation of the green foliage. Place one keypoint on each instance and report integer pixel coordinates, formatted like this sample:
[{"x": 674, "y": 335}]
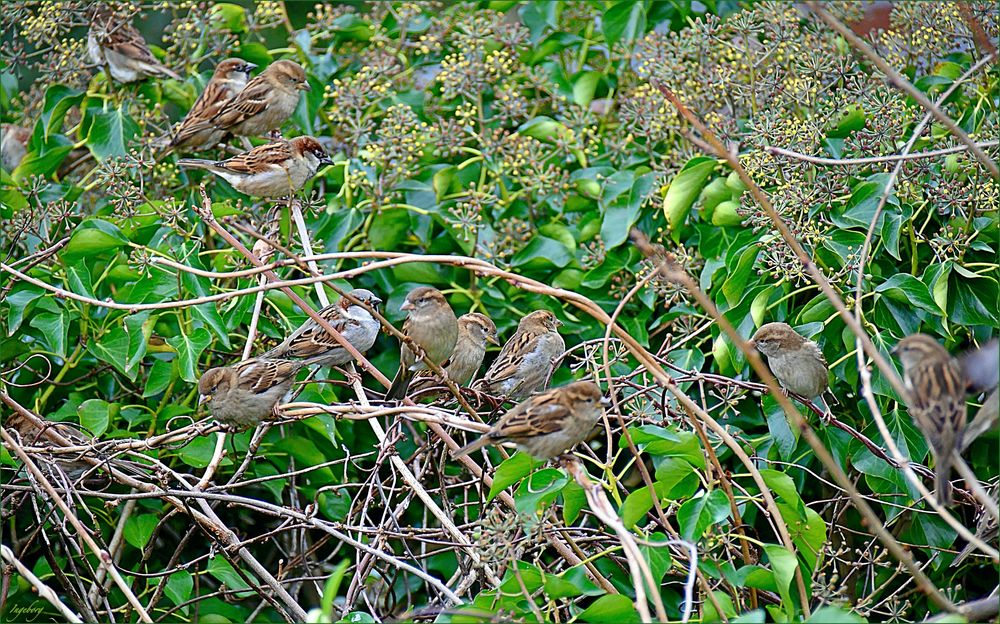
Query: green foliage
[{"x": 532, "y": 136}]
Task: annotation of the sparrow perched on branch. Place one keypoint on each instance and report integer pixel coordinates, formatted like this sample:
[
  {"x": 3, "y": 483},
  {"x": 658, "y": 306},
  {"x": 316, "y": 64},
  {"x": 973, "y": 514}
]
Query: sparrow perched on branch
[
  {"x": 196, "y": 131},
  {"x": 475, "y": 331},
  {"x": 266, "y": 102},
  {"x": 271, "y": 170},
  {"x": 795, "y": 361},
  {"x": 315, "y": 345},
  {"x": 548, "y": 423},
  {"x": 432, "y": 326},
  {"x": 937, "y": 389},
  {"x": 244, "y": 394},
  {"x": 525, "y": 363},
  {"x": 114, "y": 43}
]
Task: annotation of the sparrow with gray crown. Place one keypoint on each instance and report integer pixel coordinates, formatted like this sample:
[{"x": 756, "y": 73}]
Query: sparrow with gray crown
[
  {"x": 526, "y": 361},
  {"x": 795, "y": 361},
  {"x": 936, "y": 388},
  {"x": 242, "y": 395},
  {"x": 475, "y": 332},
  {"x": 432, "y": 326},
  {"x": 266, "y": 102},
  {"x": 547, "y": 424},
  {"x": 315, "y": 345},
  {"x": 196, "y": 131},
  {"x": 275, "y": 169},
  {"x": 113, "y": 43}
]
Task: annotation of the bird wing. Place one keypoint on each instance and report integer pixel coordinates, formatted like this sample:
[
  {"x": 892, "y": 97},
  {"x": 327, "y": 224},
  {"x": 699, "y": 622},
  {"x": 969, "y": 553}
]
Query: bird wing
[
  {"x": 249, "y": 102},
  {"x": 540, "y": 415},
  {"x": 259, "y": 375},
  {"x": 311, "y": 339},
  {"x": 259, "y": 159},
  {"x": 511, "y": 356},
  {"x": 211, "y": 101},
  {"x": 124, "y": 39}
]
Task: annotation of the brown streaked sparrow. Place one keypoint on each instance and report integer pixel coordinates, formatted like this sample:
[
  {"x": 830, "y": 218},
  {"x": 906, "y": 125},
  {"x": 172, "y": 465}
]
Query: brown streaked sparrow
[
  {"x": 936, "y": 386},
  {"x": 115, "y": 44},
  {"x": 266, "y": 102},
  {"x": 548, "y": 423},
  {"x": 432, "y": 326},
  {"x": 315, "y": 345},
  {"x": 246, "y": 393},
  {"x": 525, "y": 363},
  {"x": 475, "y": 331},
  {"x": 795, "y": 361},
  {"x": 196, "y": 131},
  {"x": 271, "y": 170}
]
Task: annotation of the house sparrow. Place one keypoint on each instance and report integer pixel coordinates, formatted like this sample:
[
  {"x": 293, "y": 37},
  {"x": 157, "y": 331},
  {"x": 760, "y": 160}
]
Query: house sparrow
[
  {"x": 525, "y": 363},
  {"x": 266, "y": 102},
  {"x": 312, "y": 343},
  {"x": 196, "y": 131},
  {"x": 13, "y": 145},
  {"x": 986, "y": 527},
  {"x": 244, "y": 394},
  {"x": 549, "y": 423},
  {"x": 475, "y": 331},
  {"x": 936, "y": 387},
  {"x": 114, "y": 43},
  {"x": 795, "y": 361},
  {"x": 432, "y": 325},
  {"x": 271, "y": 170}
]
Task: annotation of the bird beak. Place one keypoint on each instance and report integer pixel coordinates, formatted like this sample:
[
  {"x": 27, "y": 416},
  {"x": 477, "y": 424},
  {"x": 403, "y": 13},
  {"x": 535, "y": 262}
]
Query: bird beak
[
  {"x": 407, "y": 305},
  {"x": 606, "y": 401},
  {"x": 375, "y": 303},
  {"x": 249, "y": 67},
  {"x": 751, "y": 344},
  {"x": 492, "y": 340},
  {"x": 204, "y": 398},
  {"x": 304, "y": 86},
  {"x": 326, "y": 160}
]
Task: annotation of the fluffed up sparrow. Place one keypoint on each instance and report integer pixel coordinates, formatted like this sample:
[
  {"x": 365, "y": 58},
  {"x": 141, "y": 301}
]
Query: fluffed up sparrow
[
  {"x": 114, "y": 43},
  {"x": 475, "y": 332},
  {"x": 266, "y": 102},
  {"x": 548, "y": 423},
  {"x": 795, "y": 361},
  {"x": 525, "y": 363},
  {"x": 242, "y": 395},
  {"x": 936, "y": 386},
  {"x": 196, "y": 131},
  {"x": 432, "y": 326},
  {"x": 272, "y": 170},
  {"x": 312, "y": 343}
]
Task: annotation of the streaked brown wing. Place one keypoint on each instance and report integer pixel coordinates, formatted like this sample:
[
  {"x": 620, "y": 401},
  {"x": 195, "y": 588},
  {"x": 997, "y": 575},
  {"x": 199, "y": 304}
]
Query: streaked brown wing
[
  {"x": 126, "y": 40},
  {"x": 259, "y": 158},
  {"x": 210, "y": 102},
  {"x": 511, "y": 357},
  {"x": 249, "y": 102},
  {"x": 260, "y": 376},
  {"x": 314, "y": 340},
  {"x": 540, "y": 415}
]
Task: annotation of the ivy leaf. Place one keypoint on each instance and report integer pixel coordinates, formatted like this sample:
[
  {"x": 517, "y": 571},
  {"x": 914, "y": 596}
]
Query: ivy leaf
[
  {"x": 189, "y": 348},
  {"x": 109, "y": 133},
  {"x": 625, "y": 21}
]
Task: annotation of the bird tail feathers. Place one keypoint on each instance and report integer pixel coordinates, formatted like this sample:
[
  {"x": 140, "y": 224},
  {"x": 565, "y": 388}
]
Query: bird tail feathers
[{"x": 472, "y": 446}]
